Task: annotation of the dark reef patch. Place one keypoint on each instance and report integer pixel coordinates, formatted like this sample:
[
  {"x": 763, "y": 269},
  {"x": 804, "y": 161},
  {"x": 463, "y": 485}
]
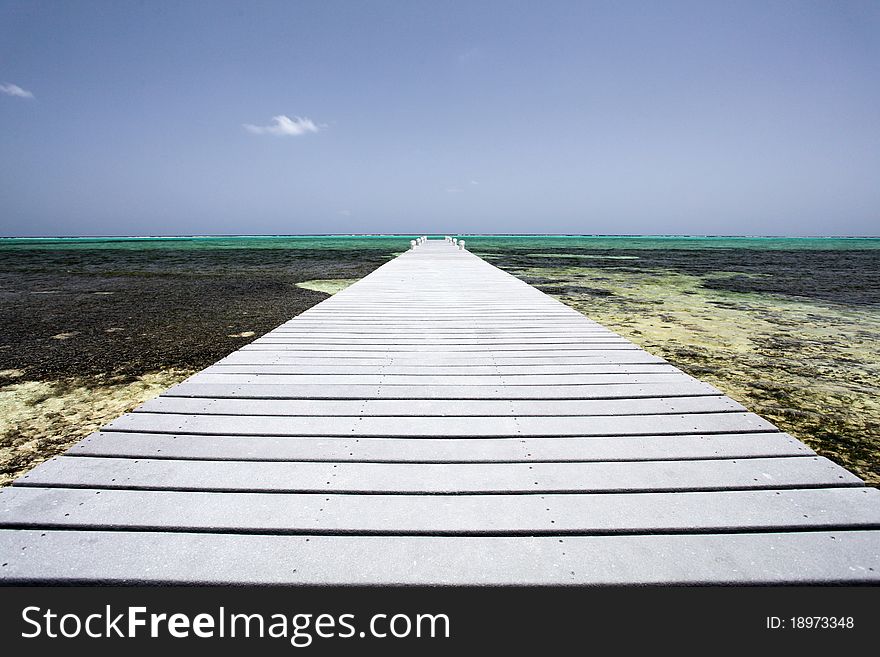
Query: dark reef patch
[
  {"x": 850, "y": 277},
  {"x": 126, "y": 312},
  {"x": 564, "y": 290}
]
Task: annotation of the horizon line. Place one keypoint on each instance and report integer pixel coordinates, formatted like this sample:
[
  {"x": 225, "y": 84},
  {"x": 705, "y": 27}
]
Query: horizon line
[{"x": 270, "y": 235}]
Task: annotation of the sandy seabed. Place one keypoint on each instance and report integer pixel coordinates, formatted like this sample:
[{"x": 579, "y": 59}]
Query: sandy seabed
[{"x": 44, "y": 418}]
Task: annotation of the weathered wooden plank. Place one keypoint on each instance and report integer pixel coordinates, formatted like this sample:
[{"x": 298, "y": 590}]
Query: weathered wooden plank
[
  {"x": 436, "y": 370},
  {"x": 819, "y": 557},
  {"x": 317, "y": 391},
  {"x": 394, "y": 331},
  {"x": 623, "y": 357},
  {"x": 515, "y": 319},
  {"x": 586, "y": 332},
  {"x": 465, "y": 315},
  {"x": 431, "y": 324},
  {"x": 547, "y": 316},
  {"x": 214, "y": 375},
  {"x": 347, "y": 477},
  {"x": 477, "y": 426},
  {"x": 450, "y": 343},
  {"x": 496, "y": 515},
  {"x": 406, "y": 306},
  {"x": 450, "y": 450},
  {"x": 534, "y": 349},
  {"x": 425, "y": 408},
  {"x": 441, "y": 332}
]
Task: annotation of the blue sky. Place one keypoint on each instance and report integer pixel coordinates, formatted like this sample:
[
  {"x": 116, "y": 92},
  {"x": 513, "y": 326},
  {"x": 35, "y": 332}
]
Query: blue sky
[{"x": 576, "y": 117}]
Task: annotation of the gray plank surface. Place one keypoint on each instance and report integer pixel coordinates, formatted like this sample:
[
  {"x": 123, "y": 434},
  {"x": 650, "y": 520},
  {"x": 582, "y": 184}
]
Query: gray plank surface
[
  {"x": 348, "y": 477},
  {"x": 441, "y": 359},
  {"x": 510, "y": 350},
  {"x": 476, "y": 426},
  {"x": 461, "y": 450},
  {"x": 217, "y": 375},
  {"x": 458, "y": 344},
  {"x": 439, "y": 370},
  {"x": 316, "y": 391},
  {"x": 818, "y": 557},
  {"x": 286, "y": 513},
  {"x": 439, "y": 407},
  {"x": 445, "y": 334}
]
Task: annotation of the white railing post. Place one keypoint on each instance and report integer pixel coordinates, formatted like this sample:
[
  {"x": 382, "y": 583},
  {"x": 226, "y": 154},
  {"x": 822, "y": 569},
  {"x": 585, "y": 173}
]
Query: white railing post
[
  {"x": 461, "y": 245},
  {"x": 412, "y": 244}
]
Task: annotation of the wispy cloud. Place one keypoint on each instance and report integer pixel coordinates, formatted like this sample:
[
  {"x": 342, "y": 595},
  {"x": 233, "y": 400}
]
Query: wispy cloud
[
  {"x": 344, "y": 213},
  {"x": 284, "y": 126},
  {"x": 15, "y": 90},
  {"x": 469, "y": 55},
  {"x": 463, "y": 188}
]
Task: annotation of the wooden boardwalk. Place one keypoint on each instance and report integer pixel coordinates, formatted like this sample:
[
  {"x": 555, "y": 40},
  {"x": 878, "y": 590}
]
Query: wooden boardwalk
[{"x": 440, "y": 422}]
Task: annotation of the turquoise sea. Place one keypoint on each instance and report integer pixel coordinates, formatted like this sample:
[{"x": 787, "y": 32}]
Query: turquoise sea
[{"x": 490, "y": 242}]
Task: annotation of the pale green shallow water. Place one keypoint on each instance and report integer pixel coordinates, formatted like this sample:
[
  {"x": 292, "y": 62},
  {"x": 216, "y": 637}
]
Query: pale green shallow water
[{"x": 504, "y": 242}]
